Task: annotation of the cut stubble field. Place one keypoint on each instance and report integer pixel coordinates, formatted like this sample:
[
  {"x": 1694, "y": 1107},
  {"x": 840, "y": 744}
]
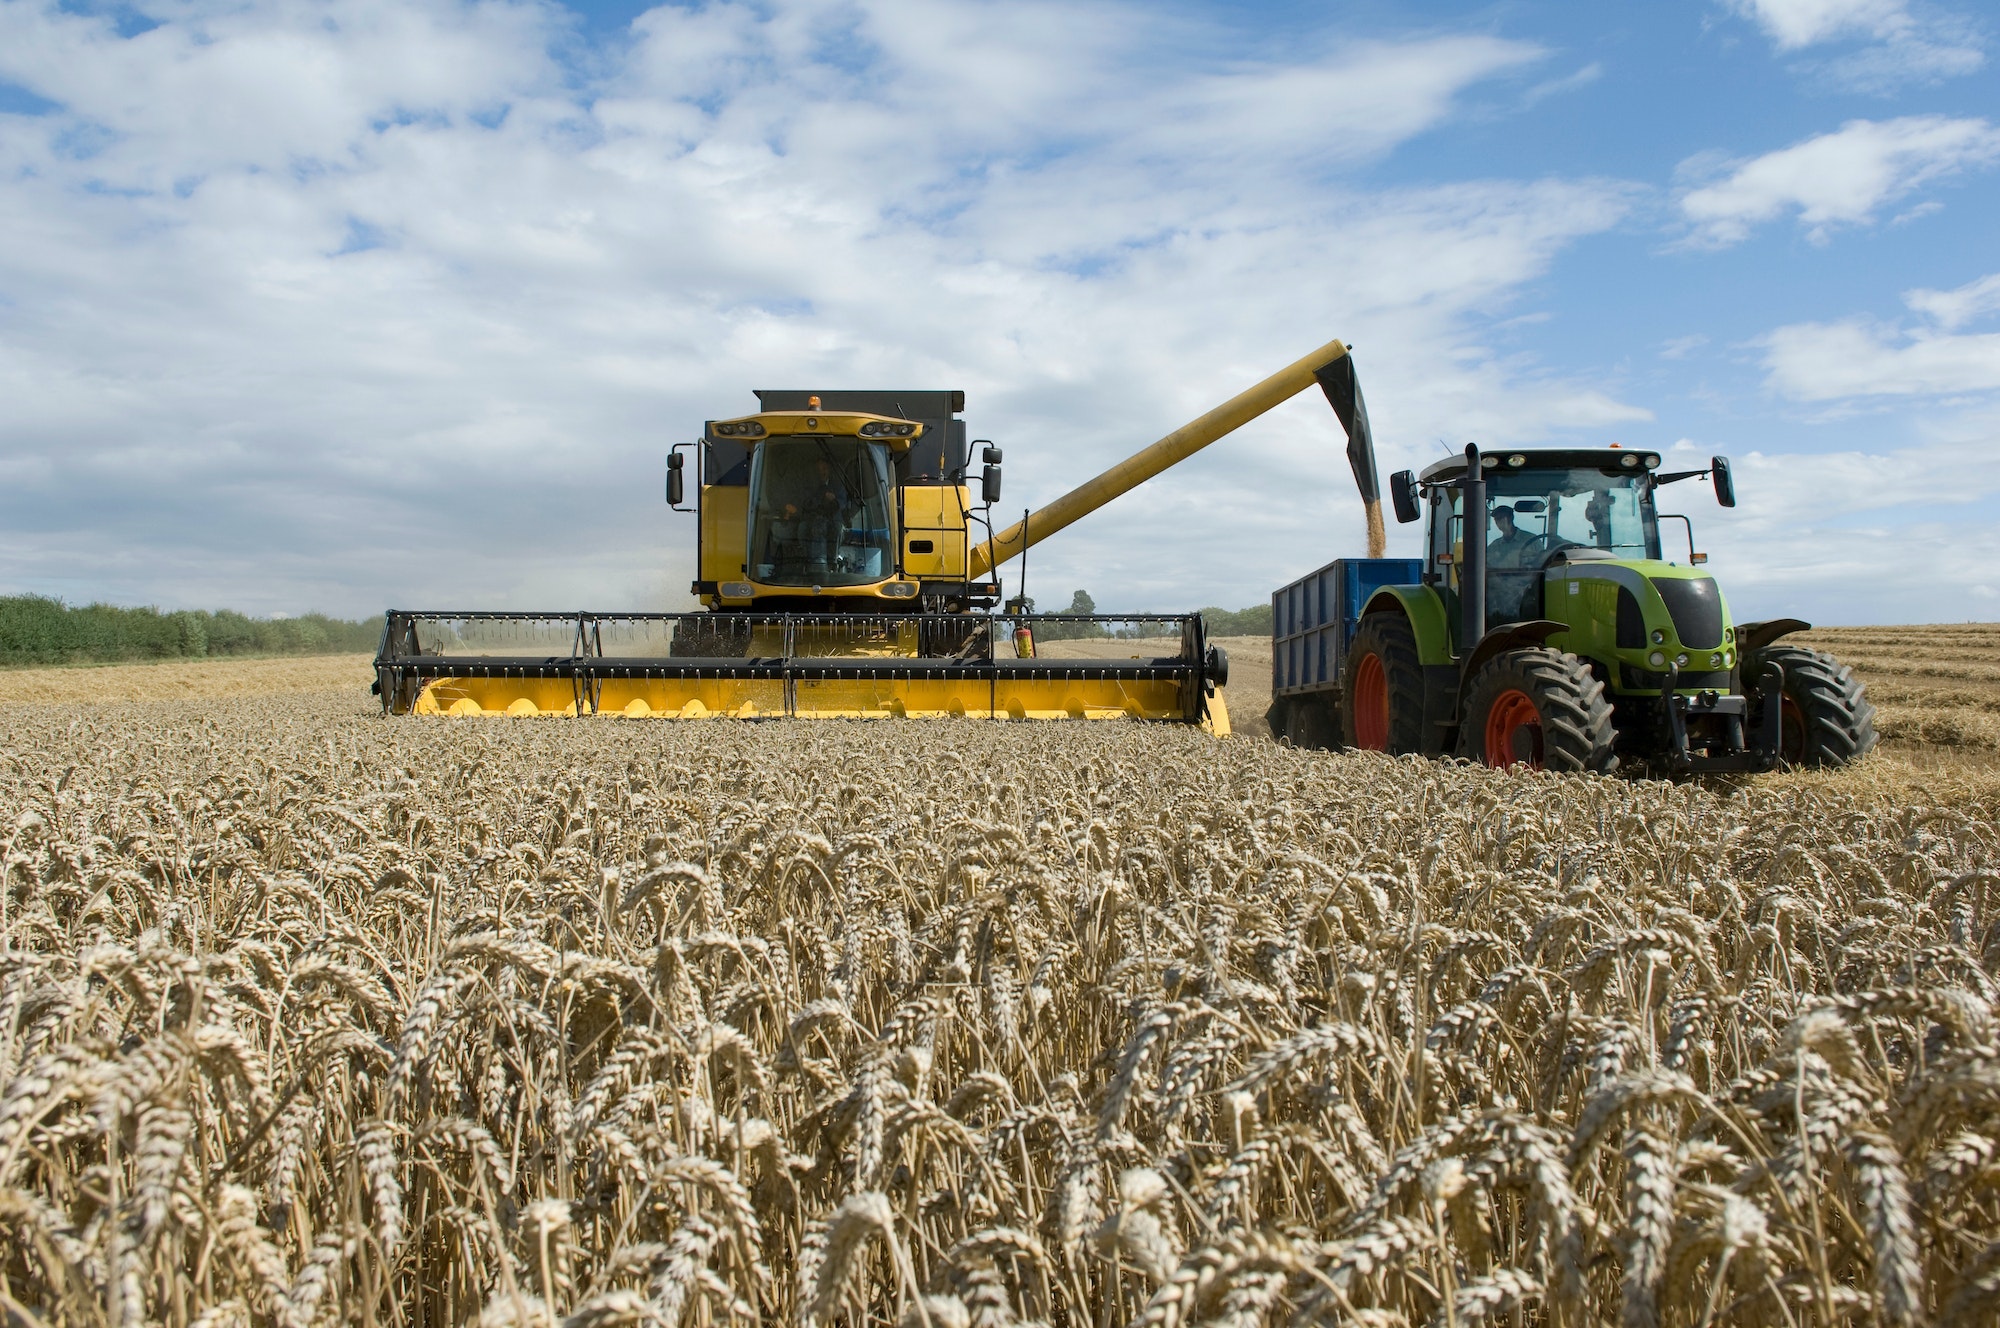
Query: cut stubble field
[{"x": 309, "y": 1016}]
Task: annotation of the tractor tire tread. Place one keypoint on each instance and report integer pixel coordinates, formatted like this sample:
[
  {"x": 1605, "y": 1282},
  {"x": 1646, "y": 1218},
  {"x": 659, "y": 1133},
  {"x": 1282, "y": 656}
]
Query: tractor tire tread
[
  {"x": 1389, "y": 636},
  {"x": 1840, "y": 720},
  {"x": 1577, "y": 735}
]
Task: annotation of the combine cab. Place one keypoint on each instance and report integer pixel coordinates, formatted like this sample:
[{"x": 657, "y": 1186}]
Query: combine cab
[{"x": 847, "y": 568}]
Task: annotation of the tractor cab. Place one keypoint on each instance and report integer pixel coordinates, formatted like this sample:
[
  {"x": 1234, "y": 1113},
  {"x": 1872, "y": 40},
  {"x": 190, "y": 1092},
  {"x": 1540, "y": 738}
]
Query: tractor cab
[{"x": 1543, "y": 510}]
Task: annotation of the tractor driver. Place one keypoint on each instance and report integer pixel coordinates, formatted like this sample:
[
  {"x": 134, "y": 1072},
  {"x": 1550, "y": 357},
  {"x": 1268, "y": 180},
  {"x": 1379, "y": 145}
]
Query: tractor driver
[{"x": 1513, "y": 550}]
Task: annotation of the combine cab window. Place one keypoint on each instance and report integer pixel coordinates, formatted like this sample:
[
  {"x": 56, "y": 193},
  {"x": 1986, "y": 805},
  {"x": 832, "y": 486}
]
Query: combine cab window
[{"x": 819, "y": 513}]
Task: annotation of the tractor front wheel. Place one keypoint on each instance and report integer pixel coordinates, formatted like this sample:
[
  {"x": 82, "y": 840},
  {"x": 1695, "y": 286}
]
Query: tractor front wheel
[
  {"x": 1827, "y": 720},
  {"x": 1540, "y": 708},
  {"x": 1382, "y": 688}
]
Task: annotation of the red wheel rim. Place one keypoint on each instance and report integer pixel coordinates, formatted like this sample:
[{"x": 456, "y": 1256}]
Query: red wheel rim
[
  {"x": 1792, "y": 730},
  {"x": 1371, "y": 705},
  {"x": 1513, "y": 731}
]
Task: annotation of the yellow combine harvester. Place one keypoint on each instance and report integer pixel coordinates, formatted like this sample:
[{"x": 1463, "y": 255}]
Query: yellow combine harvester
[{"x": 846, "y": 571}]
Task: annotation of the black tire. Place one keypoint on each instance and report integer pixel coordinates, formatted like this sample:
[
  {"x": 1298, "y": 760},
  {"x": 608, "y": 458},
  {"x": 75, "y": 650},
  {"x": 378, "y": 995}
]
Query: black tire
[
  {"x": 1828, "y": 720},
  {"x": 1309, "y": 723},
  {"x": 1570, "y": 730},
  {"x": 1389, "y": 639}
]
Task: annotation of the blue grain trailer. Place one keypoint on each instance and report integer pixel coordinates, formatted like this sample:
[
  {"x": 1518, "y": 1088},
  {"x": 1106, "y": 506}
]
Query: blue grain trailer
[{"x": 1312, "y": 622}]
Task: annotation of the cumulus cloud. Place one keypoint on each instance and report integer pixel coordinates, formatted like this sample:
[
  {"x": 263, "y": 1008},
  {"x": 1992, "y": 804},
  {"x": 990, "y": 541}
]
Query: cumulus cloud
[
  {"x": 1859, "y": 357},
  {"x": 308, "y": 306},
  {"x": 1854, "y": 536},
  {"x": 1834, "y": 179},
  {"x": 1953, "y": 309},
  {"x": 1897, "y": 43}
]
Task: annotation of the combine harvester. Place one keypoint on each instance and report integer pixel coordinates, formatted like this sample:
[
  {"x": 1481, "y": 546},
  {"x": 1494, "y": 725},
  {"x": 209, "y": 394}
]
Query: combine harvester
[
  {"x": 843, "y": 576},
  {"x": 1555, "y": 634}
]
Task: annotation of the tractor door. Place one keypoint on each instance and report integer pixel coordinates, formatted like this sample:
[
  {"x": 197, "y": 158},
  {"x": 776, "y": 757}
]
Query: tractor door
[{"x": 1442, "y": 554}]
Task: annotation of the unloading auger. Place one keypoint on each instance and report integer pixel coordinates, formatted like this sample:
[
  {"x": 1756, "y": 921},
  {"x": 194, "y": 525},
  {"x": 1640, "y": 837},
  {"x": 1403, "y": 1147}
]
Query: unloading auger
[{"x": 843, "y": 575}]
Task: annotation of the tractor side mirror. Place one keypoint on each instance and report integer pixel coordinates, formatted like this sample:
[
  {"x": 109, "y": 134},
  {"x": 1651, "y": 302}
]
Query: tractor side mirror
[
  {"x": 1725, "y": 484},
  {"x": 989, "y": 483},
  {"x": 1403, "y": 493},
  {"x": 988, "y": 453},
  {"x": 676, "y": 486}
]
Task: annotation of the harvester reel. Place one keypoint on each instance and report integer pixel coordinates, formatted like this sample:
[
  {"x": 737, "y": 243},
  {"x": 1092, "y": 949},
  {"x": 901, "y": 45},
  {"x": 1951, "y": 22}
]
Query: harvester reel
[
  {"x": 1827, "y": 719},
  {"x": 1541, "y": 708}
]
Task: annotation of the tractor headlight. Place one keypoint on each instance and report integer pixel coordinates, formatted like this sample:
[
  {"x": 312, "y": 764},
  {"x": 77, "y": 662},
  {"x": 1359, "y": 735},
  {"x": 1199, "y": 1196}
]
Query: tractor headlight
[
  {"x": 1629, "y": 460},
  {"x": 739, "y": 429},
  {"x": 1659, "y": 636},
  {"x": 900, "y": 590},
  {"x": 1681, "y": 659},
  {"x": 736, "y": 590},
  {"x": 1729, "y": 659},
  {"x": 1658, "y": 659},
  {"x": 1517, "y": 460},
  {"x": 1715, "y": 661}
]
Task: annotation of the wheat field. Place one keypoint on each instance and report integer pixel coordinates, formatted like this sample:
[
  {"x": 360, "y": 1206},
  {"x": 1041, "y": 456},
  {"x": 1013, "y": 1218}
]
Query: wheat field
[{"x": 309, "y": 1017}]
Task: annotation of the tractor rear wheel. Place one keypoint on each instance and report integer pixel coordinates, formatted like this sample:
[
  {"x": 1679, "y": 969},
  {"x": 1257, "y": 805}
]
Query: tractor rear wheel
[
  {"x": 1382, "y": 687},
  {"x": 1540, "y": 708},
  {"x": 1827, "y": 719}
]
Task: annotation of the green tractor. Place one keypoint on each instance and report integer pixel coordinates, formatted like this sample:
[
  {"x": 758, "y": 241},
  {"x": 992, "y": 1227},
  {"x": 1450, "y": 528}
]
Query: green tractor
[{"x": 1558, "y": 637}]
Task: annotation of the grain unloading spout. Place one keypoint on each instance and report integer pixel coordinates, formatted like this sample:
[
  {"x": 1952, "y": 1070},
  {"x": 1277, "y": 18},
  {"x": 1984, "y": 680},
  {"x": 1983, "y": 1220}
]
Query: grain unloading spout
[{"x": 1320, "y": 366}]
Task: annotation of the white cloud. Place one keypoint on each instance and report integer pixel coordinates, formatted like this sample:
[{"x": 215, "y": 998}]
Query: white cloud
[
  {"x": 1899, "y": 45},
  {"x": 1953, "y": 309},
  {"x": 1879, "y": 536},
  {"x": 1793, "y": 24},
  {"x": 332, "y": 307},
  {"x": 1855, "y": 358},
  {"x": 1835, "y": 179}
]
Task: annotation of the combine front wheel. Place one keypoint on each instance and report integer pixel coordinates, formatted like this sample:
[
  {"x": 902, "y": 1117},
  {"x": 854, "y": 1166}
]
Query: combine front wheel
[
  {"x": 1827, "y": 719},
  {"x": 1382, "y": 688},
  {"x": 1539, "y": 708}
]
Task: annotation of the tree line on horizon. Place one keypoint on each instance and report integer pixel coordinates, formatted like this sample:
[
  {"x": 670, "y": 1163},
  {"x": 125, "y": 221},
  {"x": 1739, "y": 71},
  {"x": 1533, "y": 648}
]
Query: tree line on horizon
[{"x": 39, "y": 629}]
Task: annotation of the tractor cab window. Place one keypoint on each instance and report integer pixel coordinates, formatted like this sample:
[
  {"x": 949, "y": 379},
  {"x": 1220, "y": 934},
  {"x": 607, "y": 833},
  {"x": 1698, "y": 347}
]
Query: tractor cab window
[
  {"x": 820, "y": 512},
  {"x": 1534, "y": 514}
]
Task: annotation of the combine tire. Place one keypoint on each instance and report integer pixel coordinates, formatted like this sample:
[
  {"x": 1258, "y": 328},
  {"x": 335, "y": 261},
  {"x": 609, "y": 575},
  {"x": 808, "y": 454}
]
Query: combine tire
[
  {"x": 1540, "y": 708},
  {"x": 1382, "y": 688},
  {"x": 1827, "y": 719}
]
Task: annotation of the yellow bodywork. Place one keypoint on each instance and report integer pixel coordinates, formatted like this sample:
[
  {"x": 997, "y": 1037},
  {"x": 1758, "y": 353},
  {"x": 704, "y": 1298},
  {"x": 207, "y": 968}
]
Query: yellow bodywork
[{"x": 833, "y": 698}]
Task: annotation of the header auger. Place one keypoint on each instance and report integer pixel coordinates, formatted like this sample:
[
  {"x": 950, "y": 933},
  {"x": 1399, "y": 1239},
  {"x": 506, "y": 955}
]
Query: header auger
[{"x": 843, "y": 574}]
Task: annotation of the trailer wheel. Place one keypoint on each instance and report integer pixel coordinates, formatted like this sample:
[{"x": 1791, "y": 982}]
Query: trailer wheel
[
  {"x": 1827, "y": 719},
  {"x": 1382, "y": 687},
  {"x": 1310, "y": 723},
  {"x": 1540, "y": 708}
]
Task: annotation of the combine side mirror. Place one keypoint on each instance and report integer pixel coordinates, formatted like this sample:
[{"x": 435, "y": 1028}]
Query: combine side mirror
[
  {"x": 676, "y": 489},
  {"x": 989, "y": 453},
  {"x": 1403, "y": 493},
  {"x": 989, "y": 483},
  {"x": 1725, "y": 486}
]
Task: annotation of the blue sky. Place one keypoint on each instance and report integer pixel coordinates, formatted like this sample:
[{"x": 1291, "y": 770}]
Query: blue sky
[{"x": 334, "y": 306}]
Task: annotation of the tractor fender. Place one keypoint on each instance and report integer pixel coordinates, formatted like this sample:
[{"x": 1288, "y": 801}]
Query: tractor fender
[
  {"x": 1425, "y": 610},
  {"x": 1754, "y": 636},
  {"x": 1509, "y": 636}
]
